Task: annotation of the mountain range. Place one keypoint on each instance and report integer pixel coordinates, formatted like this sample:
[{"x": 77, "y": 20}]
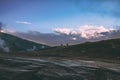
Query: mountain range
[{"x": 69, "y": 37}]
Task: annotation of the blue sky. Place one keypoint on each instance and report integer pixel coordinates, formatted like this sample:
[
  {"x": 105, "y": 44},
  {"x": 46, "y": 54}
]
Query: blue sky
[{"x": 45, "y": 15}]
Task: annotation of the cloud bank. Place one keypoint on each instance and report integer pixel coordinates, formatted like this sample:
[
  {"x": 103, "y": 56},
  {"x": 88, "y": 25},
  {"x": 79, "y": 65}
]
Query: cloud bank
[{"x": 85, "y": 31}]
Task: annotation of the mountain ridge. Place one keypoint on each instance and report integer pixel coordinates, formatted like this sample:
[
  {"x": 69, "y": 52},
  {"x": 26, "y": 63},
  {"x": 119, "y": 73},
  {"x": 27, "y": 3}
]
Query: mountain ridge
[{"x": 10, "y": 43}]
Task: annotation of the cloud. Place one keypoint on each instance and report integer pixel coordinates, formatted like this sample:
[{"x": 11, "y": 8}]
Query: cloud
[
  {"x": 66, "y": 31},
  {"x": 8, "y": 31},
  {"x": 85, "y": 31},
  {"x": 23, "y": 22}
]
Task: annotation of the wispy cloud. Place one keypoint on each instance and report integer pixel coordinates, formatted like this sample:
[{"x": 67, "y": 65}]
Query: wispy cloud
[{"x": 23, "y": 22}]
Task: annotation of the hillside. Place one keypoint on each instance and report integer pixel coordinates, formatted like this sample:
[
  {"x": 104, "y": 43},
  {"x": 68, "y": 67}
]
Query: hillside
[
  {"x": 107, "y": 49},
  {"x": 101, "y": 49},
  {"x": 9, "y": 43}
]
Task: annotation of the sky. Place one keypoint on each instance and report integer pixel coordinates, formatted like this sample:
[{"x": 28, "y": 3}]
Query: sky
[{"x": 46, "y": 15}]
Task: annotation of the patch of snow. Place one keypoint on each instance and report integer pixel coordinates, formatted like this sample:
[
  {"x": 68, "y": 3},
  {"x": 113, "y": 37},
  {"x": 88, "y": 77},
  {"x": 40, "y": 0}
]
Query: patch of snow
[
  {"x": 117, "y": 69},
  {"x": 43, "y": 47},
  {"x": 3, "y": 45},
  {"x": 32, "y": 49},
  {"x": 88, "y": 61},
  {"x": 1, "y": 42},
  {"x": 14, "y": 69},
  {"x": 39, "y": 60},
  {"x": 6, "y": 49}
]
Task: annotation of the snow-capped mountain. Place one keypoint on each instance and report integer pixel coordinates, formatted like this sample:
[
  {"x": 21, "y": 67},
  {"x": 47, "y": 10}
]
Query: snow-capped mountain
[{"x": 10, "y": 43}]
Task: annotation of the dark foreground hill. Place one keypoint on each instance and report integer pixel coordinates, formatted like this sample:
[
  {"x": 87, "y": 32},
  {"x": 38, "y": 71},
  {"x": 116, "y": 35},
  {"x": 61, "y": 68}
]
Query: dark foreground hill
[
  {"x": 107, "y": 49},
  {"x": 9, "y": 43},
  {"x": 102, "y": 49}
]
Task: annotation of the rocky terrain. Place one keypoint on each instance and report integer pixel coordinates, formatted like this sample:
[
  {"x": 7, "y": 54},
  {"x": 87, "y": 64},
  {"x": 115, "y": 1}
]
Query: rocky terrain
[{"x": 17, "y": 68}]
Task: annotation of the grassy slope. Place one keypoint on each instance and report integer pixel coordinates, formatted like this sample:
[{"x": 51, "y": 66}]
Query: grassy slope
[{"x": 109, "y": 49}]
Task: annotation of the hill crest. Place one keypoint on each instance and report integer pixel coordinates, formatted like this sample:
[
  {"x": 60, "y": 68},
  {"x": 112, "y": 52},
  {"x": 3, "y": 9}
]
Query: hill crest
[{"x": 10, "y": 43}]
